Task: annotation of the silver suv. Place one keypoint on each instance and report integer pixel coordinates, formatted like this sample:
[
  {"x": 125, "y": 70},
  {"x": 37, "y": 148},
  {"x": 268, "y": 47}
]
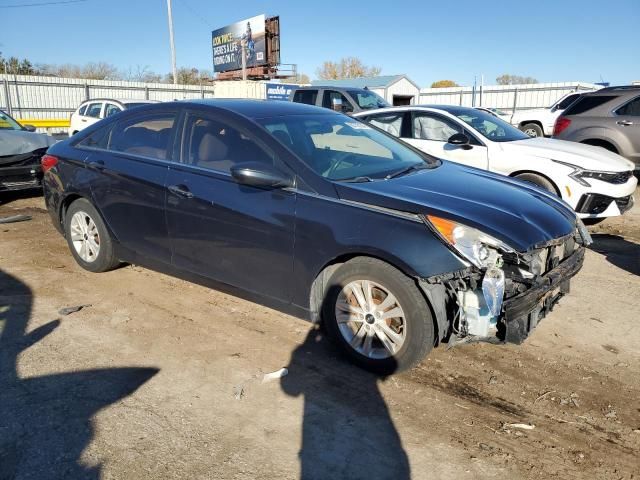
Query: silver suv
[{"x": 608, "y": 118}]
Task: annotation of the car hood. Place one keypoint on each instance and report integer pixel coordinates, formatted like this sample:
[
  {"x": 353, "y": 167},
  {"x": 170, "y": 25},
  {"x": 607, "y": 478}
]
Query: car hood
[
  {"x": 584, "y": 156},
  {"x": 527, "y": 114},
  {"x": 16, "y": 142},
  {"x": 519, "y": 214}
]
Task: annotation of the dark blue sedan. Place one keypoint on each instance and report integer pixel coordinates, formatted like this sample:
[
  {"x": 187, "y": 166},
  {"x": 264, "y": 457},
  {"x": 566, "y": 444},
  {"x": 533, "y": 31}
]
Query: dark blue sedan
[{"x": 320, "y": 215}]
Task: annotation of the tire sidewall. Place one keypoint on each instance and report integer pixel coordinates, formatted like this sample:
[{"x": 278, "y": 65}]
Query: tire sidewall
[
  {"x": 104, "y": 260},
  {"x": 535, "y": 127},
  {"x": 420, "y": 329}
]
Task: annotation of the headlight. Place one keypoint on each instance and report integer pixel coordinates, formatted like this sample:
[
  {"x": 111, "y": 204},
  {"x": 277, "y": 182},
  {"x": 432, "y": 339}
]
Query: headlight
[
  {"x": 579, "y": 175},
  {"x": 475, "y": 246}
]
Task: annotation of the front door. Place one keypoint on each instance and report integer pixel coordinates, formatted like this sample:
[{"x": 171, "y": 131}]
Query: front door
[
  {"x": 129, "y": 181},
  {"x": 431, "y": 132},
  {"x": 235, "y": 234}
]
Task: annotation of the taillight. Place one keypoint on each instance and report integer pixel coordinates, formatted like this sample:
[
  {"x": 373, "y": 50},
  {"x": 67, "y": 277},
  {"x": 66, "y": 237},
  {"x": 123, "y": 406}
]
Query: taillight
[
  {"x": 561, "y": 124},
  {"x": 48, "y": 161}
]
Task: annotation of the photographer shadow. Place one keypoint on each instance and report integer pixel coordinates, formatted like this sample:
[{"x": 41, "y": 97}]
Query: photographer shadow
[{"x": 46, "y": 421}]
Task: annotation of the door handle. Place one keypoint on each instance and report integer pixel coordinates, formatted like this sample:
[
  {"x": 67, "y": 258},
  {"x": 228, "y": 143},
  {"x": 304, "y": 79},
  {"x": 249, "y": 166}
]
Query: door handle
[
  {"x": 625, "y": 123},
  {"x": 96, "y": 165},
  {"x": 181, "y": 191},
  {"x": 83, "y": 119}
]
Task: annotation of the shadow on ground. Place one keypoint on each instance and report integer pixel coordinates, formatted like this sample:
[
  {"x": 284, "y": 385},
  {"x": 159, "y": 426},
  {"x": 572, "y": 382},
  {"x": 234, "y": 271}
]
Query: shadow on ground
[
  {"x": 347, "y": 429},
  {"x": 45, "y": 422},
  {"x": 619, "y": 251}
]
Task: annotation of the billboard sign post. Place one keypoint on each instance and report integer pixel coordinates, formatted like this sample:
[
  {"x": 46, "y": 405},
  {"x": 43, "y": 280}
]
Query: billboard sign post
[{"x": 240, "y": 45}]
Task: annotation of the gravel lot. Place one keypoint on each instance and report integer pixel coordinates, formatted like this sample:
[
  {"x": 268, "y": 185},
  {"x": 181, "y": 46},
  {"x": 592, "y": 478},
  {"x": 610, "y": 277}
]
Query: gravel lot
[{"x": 162, "y": 378}]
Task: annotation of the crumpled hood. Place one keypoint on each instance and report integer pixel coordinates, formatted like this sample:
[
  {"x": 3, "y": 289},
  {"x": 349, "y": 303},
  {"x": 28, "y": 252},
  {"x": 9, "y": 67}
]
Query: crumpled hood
[
  {"x": 16, "y": 142},
  {"x": 517, "y": 213},
  {"x": 584, "y": 156}
]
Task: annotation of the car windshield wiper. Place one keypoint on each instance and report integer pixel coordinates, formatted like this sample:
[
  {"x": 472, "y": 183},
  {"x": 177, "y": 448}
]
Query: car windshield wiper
[
  {"x": 360, "y": 179},
  {"x": 405, "y": 171}
]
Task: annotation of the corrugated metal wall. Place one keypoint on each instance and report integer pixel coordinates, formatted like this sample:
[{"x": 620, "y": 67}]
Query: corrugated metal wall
[
  {"x": 505, "y": 97},
  {"x": 36, "y": 97}
]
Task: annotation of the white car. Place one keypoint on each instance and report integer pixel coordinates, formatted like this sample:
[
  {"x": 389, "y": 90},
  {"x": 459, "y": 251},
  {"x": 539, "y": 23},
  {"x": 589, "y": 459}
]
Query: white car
[
  {"x": 595, "y": 182},
  {"x": 92, "y": 111},
  {"x": 539, "y": 122}
]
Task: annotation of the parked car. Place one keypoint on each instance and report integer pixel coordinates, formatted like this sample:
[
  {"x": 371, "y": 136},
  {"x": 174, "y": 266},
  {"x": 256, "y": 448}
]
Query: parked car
[
  {"x": 92, "y": 111},
  {"x": 496, "y": 112},
  {"x": 339, "y": 99},
  {"x": 595, "y": 183},
  {"x": 21, "y": 150},
  {"x": 538, "y": 122},
  {"x": 324, "y": 216},
  {"x": 608, "y": 118}
]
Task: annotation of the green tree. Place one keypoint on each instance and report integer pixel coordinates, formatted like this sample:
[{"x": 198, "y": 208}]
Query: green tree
[{"x": 444, "y": 84}]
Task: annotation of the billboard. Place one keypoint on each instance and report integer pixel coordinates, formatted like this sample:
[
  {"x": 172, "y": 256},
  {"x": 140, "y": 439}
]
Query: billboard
[
  {"x": 227, "y": 43},
  {"x": 279, "y": 91}
]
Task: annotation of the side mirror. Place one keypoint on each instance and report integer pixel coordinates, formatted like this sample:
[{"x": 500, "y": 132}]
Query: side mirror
[
  {"x": 458, "y": 139},
  {"x": 29, "y": 128},
  {"x": 259, "y": 174}
]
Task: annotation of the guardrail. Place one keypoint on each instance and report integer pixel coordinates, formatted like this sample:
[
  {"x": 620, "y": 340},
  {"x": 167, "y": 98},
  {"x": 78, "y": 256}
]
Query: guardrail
[{"x": 45, "y": 123}]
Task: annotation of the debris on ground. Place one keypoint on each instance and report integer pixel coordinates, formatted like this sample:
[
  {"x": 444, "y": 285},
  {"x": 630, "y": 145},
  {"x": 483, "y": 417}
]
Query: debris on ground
[
  {"x": 69, "y": 310},
  {"x": 238, "y": 392},
  {"x": 15, "y": 218},
  {"x": 522, "y": 426},
  {"x": 274, "y": 375}
]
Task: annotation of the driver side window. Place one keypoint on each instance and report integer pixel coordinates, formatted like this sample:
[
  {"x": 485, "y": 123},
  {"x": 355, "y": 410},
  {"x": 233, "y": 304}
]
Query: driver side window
[{"x": 432, "y": 127}]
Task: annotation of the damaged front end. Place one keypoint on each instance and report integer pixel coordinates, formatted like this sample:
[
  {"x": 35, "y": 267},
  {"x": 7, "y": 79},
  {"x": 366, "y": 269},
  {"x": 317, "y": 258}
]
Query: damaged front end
[{"x": 502, "y": 294}]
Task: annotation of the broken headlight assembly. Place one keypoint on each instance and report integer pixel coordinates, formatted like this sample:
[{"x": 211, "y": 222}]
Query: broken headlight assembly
[{"x": 480, "y": 308}]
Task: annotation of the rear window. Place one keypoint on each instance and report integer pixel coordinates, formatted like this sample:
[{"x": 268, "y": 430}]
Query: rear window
[
  {"x": 306, "y": 96},
  {"x": 82, "y": 109},
  {"x": 631, "y": 109},
  {"x": 567, "y": 101},
  {"x": 148, "y": 135},
  {"x": 585, "y": 104},
  {"x": 93, "y": 110}
]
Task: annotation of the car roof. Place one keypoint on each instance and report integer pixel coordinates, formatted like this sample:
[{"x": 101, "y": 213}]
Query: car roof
[
  {"x": 452, "y": 109},
  {"x": 620, "y": 90},
  {"x": 123, "y": 101},
  {"x": 333, "y": 87},
  {"x": 257, "y": 108}
]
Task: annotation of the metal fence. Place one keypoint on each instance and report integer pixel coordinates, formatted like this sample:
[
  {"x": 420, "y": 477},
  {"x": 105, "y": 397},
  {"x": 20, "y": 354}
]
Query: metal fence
[
  {"x": 505, "y": 97},
  {"x": 39, "y": 98}
]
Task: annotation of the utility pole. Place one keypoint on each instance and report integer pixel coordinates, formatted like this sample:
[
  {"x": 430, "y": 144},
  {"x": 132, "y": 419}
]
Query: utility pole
[{"x": 173, "y": 47}]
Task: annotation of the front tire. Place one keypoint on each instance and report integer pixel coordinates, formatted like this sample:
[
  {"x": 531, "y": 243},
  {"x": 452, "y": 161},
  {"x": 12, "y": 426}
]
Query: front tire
[
  {"x": 538, "y": 181},
  {"x": 377, "y": 316},
  {"x": 533, "y": 130},
  {"x": 88, "y": 237}
]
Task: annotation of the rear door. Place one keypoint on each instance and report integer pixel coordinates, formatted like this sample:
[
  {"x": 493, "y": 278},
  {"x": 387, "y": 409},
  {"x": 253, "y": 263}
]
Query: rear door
[
  {"x": 627, "y": 122},
  {"x": 236, "y": 234},
  {"x": 111, "y": 109},
  {"x": 130, "y": 179},
  {"x": 430, "y": 132}
]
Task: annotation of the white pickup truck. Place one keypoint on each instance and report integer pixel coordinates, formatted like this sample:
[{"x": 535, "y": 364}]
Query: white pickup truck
[{"x": 539, "y": 122}]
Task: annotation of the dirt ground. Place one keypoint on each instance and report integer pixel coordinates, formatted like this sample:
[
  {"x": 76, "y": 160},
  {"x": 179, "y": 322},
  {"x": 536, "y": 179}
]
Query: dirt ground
[{"x": 161, "y": 378}]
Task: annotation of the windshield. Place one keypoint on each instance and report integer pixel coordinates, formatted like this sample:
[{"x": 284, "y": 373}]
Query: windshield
[
  {"x": 338, "y": 147},
  {"x": 367, "y": 100},
  {"x": 492, "y": 127},
  {"x": 8, "y": 123}
]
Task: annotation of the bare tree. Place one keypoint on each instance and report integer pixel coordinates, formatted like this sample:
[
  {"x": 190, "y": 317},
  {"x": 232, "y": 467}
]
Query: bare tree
[
  {"x": 348, "y": 67},
  {"x": 142, "y": 74},
  {"x": 507, "y": 79}
]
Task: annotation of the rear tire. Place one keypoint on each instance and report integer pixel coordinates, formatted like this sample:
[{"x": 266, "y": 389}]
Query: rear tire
[
  {"x": 538, "y": 181},
  {"x": 533, "y": 130},
  {"x": 374, "y": 341},
  {"x": 88, "y": 237}
]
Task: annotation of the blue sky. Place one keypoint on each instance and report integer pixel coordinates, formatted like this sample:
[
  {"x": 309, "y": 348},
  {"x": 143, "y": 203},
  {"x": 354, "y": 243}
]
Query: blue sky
[{"x": 561, "y": 40}]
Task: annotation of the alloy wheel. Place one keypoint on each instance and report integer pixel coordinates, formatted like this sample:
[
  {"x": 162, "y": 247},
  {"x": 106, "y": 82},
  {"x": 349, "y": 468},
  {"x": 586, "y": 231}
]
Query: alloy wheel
[
  {"x": 370, "y": 319},
  {"x": 85, "y": 237}
]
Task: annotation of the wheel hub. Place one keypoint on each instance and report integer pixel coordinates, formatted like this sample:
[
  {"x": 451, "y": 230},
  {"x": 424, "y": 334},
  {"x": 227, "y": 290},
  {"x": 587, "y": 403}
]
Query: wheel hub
[{"x": 370, "y": 319}]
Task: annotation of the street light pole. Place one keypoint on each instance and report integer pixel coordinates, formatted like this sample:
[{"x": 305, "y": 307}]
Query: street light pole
[{"x": 173, "y": 47}]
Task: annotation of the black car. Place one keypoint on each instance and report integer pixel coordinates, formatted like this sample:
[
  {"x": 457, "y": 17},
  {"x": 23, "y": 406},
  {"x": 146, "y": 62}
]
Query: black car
[
  {"x": 21, "y": 150},
  {"x": 321, "y": 215}
]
